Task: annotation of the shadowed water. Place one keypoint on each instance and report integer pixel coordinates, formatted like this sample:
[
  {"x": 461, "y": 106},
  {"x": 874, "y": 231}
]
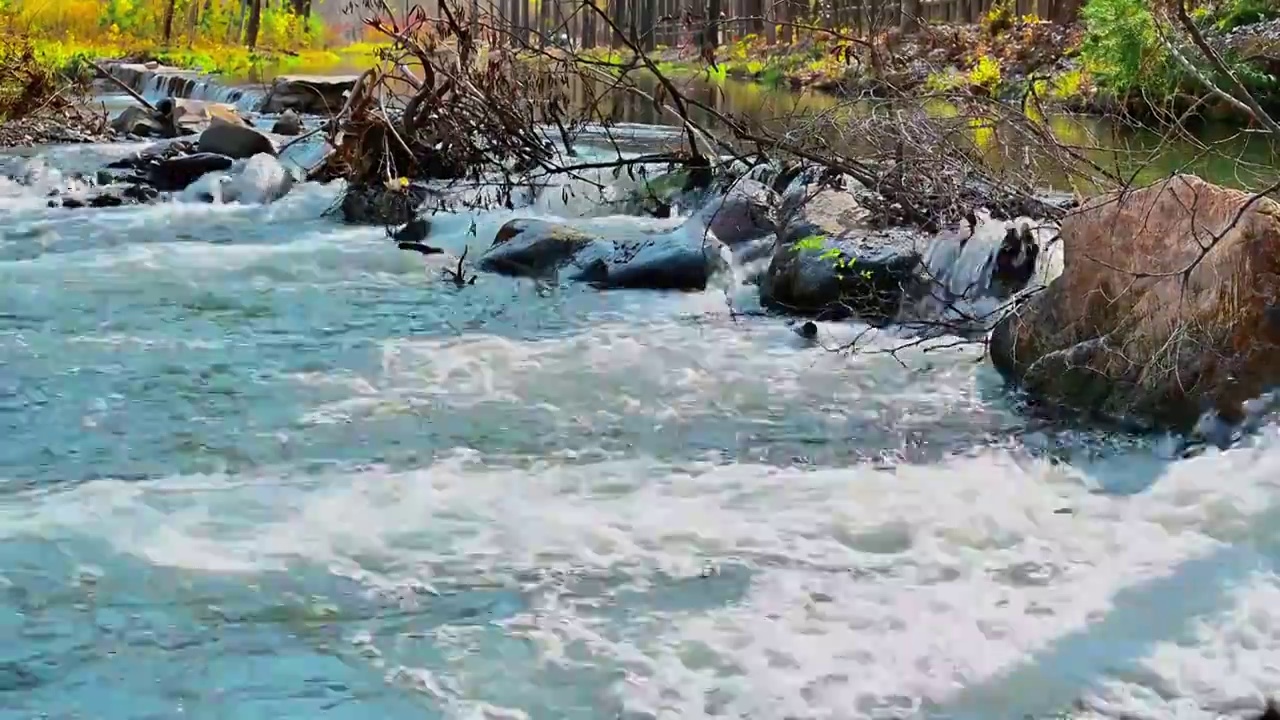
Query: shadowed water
[{"x": 257, "y": 464}]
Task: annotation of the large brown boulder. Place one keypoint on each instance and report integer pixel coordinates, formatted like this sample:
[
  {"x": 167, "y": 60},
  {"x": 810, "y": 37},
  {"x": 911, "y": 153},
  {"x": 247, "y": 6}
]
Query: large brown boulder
[{"x": 1166, "y": 307}]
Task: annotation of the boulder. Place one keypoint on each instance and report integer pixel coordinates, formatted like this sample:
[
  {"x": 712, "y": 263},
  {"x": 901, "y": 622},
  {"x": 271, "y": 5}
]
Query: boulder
[
  {"x": 234, "y": 140},
  {"x": 137, "y": 120},
  {"x": 312, "y": 95},
  {"x": 381, "y": 204},
  {"x": 831, "y": 262},
  {"x": 743, "y": 214},
  {"x": 176, "y": 173},
  {"x": 189, "y": 117},
  {"x": 260, "y": 180},
  {"x": 534, "y": 248},
  {"x": 1152, "y": 317},
  {"x": 679, "y": 259},
  {"x": 289, "y": 124}
]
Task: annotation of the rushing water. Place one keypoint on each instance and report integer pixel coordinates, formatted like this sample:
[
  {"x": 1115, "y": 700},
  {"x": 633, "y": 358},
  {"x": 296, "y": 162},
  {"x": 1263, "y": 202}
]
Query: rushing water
[{"x": 257, "y": 464}]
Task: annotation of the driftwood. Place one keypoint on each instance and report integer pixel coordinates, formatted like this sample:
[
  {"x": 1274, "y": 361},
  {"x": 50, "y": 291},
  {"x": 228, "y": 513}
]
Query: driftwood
[{"x": 125, "y": 87}]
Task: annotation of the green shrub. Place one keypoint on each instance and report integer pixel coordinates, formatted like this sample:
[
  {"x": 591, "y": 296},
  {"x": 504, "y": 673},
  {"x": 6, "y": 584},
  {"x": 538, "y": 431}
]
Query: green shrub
[
  {"x": 1121, "y": 49},
  {"x": 1247, "y": 12}
]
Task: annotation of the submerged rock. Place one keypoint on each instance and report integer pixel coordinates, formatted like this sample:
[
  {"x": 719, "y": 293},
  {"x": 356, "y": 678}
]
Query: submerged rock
[
  {"x": 828, "y": 261},
  {"x": 262, "y": 180},
  {"x": 1144, "y": 323},
  {"x": 679, "y": 259},
  {"x": 109, "y": 196}
]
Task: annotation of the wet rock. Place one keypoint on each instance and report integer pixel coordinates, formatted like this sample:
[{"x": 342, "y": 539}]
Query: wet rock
[
  {"x": 657, "y": 196},
  {"x": 679, "y": 259},
  {"x": 145, "y": 158},
  {"x": 807, "y": 330},
  {"x": 139, "y": 121},
  {"x": 380, "y": 204},
  {"x": 745, "y": 213},
  {"x": 1015, "y": 261},
  {"x": 183, "y": 116},
  {"x": 110, "y": 196},
  {"x": 414, "y": 231},
  {"x": 260, "y": 180},
  {"x": 234, "y": 140},
  {"x": 828, "y": 261},
  {"x": 1143, "y": 323},
  {"x": 534, "y": 248},
  {"x": 176, "y": 173},
  {"x": 308, "y": 94},
  {"x": 288, "y": 124}
]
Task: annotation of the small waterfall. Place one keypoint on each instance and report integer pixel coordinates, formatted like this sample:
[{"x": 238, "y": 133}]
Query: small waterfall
[
  {"x": 159, "y": 82},
  {"x": 963, "y": 264}
]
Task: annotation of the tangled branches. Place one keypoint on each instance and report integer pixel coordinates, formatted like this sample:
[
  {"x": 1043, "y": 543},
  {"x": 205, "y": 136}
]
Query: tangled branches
[{"x": 31, "y": 85}]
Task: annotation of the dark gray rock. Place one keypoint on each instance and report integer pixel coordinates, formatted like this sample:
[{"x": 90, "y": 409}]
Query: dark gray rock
[
  {"x": 139, "y": 121},
  {"x": 109, "y": 196},
  {"x": 745, "y": 213},
  {"x": 381, "y": 205},
  {"x": 173, "y": 174},
  {"x": 679, "y": 259},
  {"x": 288, "y": 124},
  {"x": 310, "y": 94},
  {"x": 234, "y": 140},
  {"x": 830, "y": 262}
]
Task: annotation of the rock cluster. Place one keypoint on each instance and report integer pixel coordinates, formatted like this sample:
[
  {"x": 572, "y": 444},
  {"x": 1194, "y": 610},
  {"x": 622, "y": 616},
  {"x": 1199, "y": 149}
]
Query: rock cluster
[{"x": 807, "y": 241}]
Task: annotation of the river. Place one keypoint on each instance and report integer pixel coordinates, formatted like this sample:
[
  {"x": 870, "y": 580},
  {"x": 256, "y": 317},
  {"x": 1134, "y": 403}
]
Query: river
[{"x": 256, "y": 464}]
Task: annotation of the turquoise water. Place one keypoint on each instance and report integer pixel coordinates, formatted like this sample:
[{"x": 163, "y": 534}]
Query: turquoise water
[{"x": 257, "y": 464}]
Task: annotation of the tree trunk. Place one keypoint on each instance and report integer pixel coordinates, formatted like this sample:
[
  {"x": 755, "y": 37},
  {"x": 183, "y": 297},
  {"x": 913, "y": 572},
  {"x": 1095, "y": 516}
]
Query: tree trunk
[
  {"x": 255, "y": 22},
  {"x": 711, "y": 35},
  {"x": 618, "y": 15},
  {"x": 910, "y": 16},
  {"x": 168, "y": 22}
]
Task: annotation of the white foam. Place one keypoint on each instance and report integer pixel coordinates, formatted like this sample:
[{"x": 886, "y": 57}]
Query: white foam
[{"x": 867, "y": 591}]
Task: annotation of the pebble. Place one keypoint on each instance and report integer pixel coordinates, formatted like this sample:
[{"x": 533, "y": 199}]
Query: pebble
[{"x": 25, "y": 132}]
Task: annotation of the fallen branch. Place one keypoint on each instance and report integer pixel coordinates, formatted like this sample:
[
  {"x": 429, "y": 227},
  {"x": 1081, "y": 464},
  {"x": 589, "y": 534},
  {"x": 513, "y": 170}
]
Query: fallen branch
[{"x": 125, "y": 87}]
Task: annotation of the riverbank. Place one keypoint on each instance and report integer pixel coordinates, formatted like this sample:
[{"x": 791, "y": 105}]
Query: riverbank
[
  {"x": 1086, "y": 67},
  {"x": 938, "y": 58}
]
